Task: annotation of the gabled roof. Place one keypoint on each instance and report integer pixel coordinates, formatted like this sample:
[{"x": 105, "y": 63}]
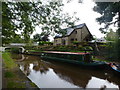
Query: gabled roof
[{"x": 71, "y": 29}]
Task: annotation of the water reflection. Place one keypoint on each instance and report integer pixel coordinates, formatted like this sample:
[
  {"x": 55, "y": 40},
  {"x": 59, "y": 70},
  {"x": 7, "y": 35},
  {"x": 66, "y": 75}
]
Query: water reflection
[{"x": 47, "y": 74}]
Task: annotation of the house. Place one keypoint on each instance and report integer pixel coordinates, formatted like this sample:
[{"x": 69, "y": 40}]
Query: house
[{"x": 76, "y": 33}]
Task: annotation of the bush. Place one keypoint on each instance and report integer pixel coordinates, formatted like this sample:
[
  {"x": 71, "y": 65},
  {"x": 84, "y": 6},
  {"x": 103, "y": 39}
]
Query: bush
[
  {"x": 88, "y": 48},
  {"x": 45, "y": 42},
  {"x": 80, "y": 47}
]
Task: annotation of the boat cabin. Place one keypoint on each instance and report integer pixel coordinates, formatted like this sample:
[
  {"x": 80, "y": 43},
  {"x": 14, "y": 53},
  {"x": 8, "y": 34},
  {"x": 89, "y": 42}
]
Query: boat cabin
[{"x": 84, "y": 57}]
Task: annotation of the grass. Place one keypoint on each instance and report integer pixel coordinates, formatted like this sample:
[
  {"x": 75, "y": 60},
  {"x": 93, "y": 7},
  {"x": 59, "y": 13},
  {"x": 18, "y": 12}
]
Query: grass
[
  {"x": 32, "y": 84},
  {"x": 12, "y": 76},
  {"x": 9, "y": 74},
  {"x": 34, "y": 50},
  {"x": 9, "y": 62},
  {"x": 12, "y": 84}
]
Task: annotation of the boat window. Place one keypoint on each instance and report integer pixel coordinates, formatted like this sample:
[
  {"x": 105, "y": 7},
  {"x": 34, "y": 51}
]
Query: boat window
[
  {"x": 59, "y": 55},
  {"x": 68, "y": 56},
  {"x": 87, "y": 58},
  {"x": 74, "y": 57}
]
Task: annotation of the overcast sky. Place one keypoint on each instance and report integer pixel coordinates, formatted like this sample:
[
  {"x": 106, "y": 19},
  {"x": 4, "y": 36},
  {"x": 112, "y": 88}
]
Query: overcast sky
[{"x": 85, "y": 13}]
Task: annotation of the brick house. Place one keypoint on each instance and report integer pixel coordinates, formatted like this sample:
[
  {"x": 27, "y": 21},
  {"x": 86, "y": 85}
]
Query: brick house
[{"x": 77, "y": 33}]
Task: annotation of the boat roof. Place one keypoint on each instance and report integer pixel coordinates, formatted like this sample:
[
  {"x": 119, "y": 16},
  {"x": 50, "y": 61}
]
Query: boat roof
[{"x": 75, "y": 53}]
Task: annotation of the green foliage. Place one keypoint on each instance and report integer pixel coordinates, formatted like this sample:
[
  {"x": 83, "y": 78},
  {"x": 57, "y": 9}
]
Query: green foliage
[
  {"x": 76, "y": 42},
  {"x": 25, "y": 16},
  {"x": 45, "y": 42},
  {"x": 9, "y": 74},
  {"x": 110, "y": 36},
  {"x": 37, "y": 37},
  {"x": 41, "y": 37},
  {"x": 13, "y": 84},
  {"x": 80, "y": 47},
  {"x": 108, "y": 11},
  {"x": 88, "y": 48},
  {"x": 9, "y": 63},
  {"x": 104, "y": 45},
  {"x": 68, "y": 48},
  {"x": 17, "y": 39},
  {"x": 117, "y": 49},
  {"x": 15, "y": 50},
  {"x": 63, "y": 48},
  {"x": 32, "y": 84}
]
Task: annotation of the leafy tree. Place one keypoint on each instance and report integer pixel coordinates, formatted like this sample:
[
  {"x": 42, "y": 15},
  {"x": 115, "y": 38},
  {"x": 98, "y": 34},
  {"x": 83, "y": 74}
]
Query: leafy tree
[
  {"x": 111, "y": 35},
  {"x": 41, "y": 37},
  {"x": 37, "y": 37},
  {"x": 17, "y": 39},
  {"x": 7, "y": 26},
  {"x": 108, "y": 11},
  {"x": 24, "y": 16}
]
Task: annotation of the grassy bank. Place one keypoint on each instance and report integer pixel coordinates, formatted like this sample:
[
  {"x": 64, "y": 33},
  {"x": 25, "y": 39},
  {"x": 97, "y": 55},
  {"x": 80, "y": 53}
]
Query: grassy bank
[
  {"x": 12, "y": 76},
  {"x": 8, "y": 61}
]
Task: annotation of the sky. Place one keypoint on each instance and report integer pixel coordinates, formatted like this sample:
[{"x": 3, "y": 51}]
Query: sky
[{"x": 85, "y": 13}]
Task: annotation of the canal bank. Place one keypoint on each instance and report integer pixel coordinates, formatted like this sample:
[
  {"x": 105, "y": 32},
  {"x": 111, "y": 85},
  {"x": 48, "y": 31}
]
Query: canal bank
[{"x": 13, "y": 77}]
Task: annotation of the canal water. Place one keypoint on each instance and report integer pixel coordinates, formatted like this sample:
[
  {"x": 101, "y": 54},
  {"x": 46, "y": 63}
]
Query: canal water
[{"x": 50, "y": 74}]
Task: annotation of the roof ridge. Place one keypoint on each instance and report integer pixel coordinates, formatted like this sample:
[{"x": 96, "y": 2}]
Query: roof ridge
[{"x": 74, "y": 26}]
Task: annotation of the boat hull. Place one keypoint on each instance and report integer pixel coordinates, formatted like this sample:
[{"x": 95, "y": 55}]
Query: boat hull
[
  {"x": 80, "y": 63},
  {"x": 115, "y": 71}
]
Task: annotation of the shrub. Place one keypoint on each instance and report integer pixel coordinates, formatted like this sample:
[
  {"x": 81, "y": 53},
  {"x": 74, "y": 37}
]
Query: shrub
[{"x": 88, "y": 48}]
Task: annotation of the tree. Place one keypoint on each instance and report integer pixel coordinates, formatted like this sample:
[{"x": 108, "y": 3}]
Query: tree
[
  {"x": 7, "y": 26},
  {"x": 25, "y": 16},
  {"x": 111, "y": 35},
  {"x": 37, "y": 37},
  {"x": 17, "y": 39},
  {"x": 108, "y": 11},
  {"x": 41, "y": 37}
]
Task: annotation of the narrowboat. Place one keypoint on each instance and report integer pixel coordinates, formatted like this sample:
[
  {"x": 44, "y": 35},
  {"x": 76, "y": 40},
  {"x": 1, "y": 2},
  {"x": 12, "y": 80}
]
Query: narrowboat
[{"x": 83, "y": 59}]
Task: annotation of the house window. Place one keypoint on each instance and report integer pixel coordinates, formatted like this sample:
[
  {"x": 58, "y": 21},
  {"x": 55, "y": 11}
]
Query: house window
[
  {"x": 75, "y": 32},
  {"x": 76, "y": 39},
  {"x": 72, "y": 39}
]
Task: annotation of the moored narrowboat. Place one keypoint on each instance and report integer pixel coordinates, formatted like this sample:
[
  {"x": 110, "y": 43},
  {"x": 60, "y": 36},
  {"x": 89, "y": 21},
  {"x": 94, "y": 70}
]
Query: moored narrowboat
[{"x": 83, "y": 59}]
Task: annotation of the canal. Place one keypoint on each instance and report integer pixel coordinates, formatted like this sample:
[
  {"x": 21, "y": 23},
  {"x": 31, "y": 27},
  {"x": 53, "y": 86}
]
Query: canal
[{"x": 47, "y": 74}]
